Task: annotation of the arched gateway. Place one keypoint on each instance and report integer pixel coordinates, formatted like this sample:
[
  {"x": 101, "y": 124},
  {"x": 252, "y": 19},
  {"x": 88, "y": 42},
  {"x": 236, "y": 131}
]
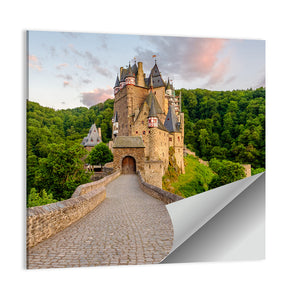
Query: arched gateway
[{"x": 128, "y": 165}]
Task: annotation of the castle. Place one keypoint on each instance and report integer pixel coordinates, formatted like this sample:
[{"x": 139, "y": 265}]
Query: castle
[{"x": 147, "y": 122}]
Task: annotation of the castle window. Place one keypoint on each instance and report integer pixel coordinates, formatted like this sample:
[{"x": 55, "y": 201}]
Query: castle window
[
  {"x": 144, "y": 132},
  {"x": 136, "y": 132},
  {"x": 145, "y": 113},
  {"x": 149, "y": 131},
  {"x": 92, "y": 140},
  {"x": 178, "y": 138},
  {"x": 170, "y": 139},
  {"x": 143, "y": 122}
]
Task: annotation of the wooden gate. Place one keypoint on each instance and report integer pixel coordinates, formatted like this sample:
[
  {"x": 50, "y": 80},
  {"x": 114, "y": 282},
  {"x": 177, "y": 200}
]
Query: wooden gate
[{"x": 128, "y": 165}]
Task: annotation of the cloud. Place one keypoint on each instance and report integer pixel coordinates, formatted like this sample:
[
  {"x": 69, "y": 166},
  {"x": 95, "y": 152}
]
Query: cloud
[
  {"x": 92, "y": 61},
  {"x": 218, "y": 72},
  {"x": 80, "y": 67},
  {"x": 96, "y": 96},
  {"x": 66, "y": 77},
  {"x": 86, "y": 81},
  {"x": 261, "y": 82},
  {"x": 34, "y": 63},
  {"x": 185, "y": 57},
  {"x": 61, "y": 66}
]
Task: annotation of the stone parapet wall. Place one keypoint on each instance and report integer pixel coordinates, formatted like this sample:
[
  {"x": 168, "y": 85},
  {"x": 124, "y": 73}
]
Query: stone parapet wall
[
  {"x": 156, "y": 192},
  {"x": 47, "y": 220},
  {"x": 88, "y": 187}
]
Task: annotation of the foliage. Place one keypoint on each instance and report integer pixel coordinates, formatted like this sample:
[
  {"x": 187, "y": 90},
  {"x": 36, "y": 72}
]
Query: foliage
[
  {"x": 257, "y": 171},
  {"x": 62, "y": 170},
  {"x": 226, "y": 172},
  {"x": 226, "y": 125},
  {"x": 49, "y": 129},
  {"x": 171, "y": 173},
  {"x": 195, "y": 180},
  {"x": 100, "y": 155},
  {"x": 37, "y": 199}
]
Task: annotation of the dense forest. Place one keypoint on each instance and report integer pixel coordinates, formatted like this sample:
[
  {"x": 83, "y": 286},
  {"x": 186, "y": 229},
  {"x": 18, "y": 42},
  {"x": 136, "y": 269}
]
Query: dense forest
[
  {"x": 226, "y": 125},
  {"x": 221, "y": 127},
  {"x": 54, "y": 153}
]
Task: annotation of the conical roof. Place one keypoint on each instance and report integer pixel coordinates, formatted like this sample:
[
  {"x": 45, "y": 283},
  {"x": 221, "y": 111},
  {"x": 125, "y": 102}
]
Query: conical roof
[
  {"x": 171, "y": 120},
  {"x": 116, "y": 117},
  {"x": 152, "y": 99},
  {"x": 134, "y": 68},
  {"x": 152, "y": 112},
  {"x": 117, "y": 82},
  {"x": 93, "y": 138},
  {"x": 129, "y": 72},
  {"x": 168, "y": 87},
  {"x": 150, "y": 81}
]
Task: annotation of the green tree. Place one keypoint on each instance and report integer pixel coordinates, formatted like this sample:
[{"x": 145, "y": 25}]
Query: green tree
[
  {"x": 226, "y": 172},
  {"x": 100, "y": 155},
  {"x": 62, "y": 170}
]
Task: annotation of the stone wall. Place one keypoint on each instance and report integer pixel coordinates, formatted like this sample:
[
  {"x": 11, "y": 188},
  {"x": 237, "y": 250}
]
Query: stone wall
[
  {"x": 156, "y": 192},
  {"x": 46, "y": 220},
  {"x": 136, "y": 153},
  {"x": 153, "y": 172}
]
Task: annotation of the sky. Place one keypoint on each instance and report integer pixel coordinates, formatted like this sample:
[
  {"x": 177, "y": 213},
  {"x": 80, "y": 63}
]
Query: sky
[{"x": 69, "y": 69}]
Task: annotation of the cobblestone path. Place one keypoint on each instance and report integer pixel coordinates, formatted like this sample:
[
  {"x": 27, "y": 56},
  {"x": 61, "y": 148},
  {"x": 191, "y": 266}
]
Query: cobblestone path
[{"x": 128, "y": 227}]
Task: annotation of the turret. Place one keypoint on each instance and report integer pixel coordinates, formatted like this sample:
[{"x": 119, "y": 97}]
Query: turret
[
  {"x": 168, "y": 88},
  {"x": 130, "y": 77},
  {"x": 152, "y": 117},
  {"x": 117, "y": 85},
  {"x": 115, "y": 125}
]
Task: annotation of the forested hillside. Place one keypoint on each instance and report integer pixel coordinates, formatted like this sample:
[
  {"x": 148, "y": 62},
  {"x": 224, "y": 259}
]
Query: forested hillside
[
  {"x": 54, "y": 151},
  {"x": 226, "y": 125},
  {"x": 221, "y": 127}
]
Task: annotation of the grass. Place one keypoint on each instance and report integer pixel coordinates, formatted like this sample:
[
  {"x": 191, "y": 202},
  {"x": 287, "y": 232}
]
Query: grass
[{"x": 195, "y": 180}]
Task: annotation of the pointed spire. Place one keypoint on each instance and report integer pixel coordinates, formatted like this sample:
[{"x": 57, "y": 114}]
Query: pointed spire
[
  {"x": 152, "y": 112},
  {"x": 117, "y": 81},
  {"x": 151, "y": 82},
  {"x": 168, "y": 87},
  {"x": 171, "y": 120},
  {"x": 129, "y": 72}
]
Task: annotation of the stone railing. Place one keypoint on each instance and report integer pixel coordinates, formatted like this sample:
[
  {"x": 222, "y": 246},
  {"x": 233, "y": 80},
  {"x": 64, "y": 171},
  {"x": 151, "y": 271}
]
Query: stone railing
[
  {"x": 86, "y": 188},
  {"x": 156, "y": 192},
  {"x": 46, "y": 220}
]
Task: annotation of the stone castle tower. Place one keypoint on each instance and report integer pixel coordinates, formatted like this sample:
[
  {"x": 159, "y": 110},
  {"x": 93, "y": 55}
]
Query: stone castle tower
[{"x": 147, "y": 122}]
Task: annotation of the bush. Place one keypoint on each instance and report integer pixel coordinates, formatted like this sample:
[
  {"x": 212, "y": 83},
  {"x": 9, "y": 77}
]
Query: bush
[{"x": 37, "y": 199}]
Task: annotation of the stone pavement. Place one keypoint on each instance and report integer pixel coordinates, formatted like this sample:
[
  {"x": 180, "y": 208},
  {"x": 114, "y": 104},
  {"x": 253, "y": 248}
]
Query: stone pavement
[{"x": 128, "y": 227}]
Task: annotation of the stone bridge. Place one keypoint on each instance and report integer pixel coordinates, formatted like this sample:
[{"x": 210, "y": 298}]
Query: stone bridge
[{"x": 115, "y": 221}]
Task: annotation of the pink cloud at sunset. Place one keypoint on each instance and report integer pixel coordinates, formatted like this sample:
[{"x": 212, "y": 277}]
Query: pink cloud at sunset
[
  {"x": 61, "y": 66},
  {"x": 219, "y": 72},
  {"x": 96, "y": 96},
  {"x": 189, "y": 58},
  {"x": 34, "y": 63}
]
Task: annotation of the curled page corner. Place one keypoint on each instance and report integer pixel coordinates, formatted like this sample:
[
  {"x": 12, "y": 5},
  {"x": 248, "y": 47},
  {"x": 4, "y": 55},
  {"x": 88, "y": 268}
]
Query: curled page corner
[{"x": 190, "y": 214}]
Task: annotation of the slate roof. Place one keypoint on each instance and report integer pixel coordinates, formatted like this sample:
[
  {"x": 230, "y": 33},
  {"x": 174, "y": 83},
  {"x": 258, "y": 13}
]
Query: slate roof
[
  {"x": 134, "y": 68},
  {"x": 117, "y": 82},
  {"x": 171, "y": 120},
  {"x": 152, "y": 111},
  {"x": 93, "y": 138},
  {"x": 128, "y": 142},
  {"x": 129, "y": 72},
  {"x": 152, "y": 98}
]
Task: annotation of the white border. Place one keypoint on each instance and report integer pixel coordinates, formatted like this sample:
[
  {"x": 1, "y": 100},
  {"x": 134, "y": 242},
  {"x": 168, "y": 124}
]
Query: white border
[{"x": 274, "y": 278}]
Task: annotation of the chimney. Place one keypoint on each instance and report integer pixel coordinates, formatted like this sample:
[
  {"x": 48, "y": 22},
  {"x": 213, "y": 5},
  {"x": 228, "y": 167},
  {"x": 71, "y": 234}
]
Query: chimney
[{"x": 140, "y": 75}]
